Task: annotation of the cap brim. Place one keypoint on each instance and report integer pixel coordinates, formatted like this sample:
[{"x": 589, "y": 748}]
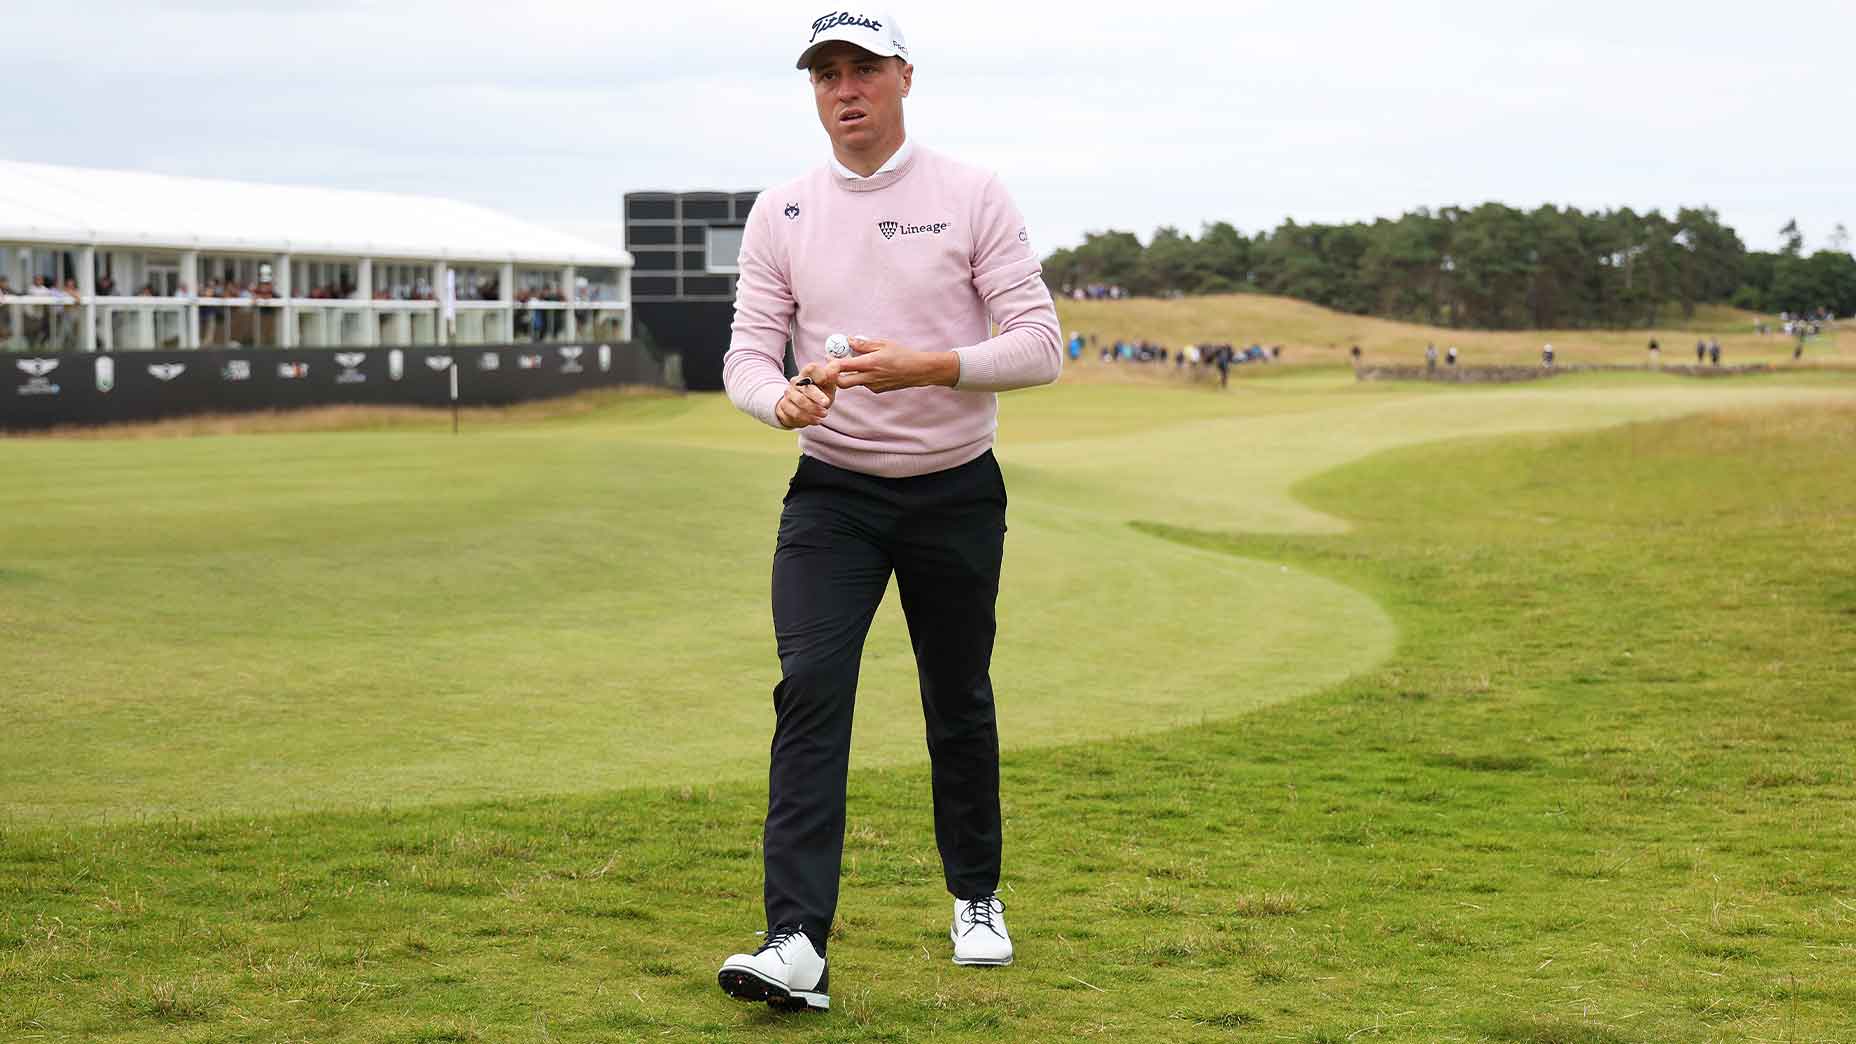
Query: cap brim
[{"x": 837, "y": 36}]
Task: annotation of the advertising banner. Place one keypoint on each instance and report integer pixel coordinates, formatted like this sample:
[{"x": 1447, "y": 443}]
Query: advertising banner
[{"x": 47, "y": 389}]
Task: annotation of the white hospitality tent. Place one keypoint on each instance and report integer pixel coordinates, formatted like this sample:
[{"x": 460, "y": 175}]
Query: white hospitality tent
[{"x": 106, "y": 259}]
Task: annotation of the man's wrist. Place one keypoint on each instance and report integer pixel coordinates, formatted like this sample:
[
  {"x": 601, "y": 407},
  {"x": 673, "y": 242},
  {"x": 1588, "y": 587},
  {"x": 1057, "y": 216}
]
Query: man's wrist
[{"x": 946, "y": 370}]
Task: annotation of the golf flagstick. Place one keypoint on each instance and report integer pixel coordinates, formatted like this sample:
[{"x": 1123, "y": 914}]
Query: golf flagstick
[{"x": 454, "y": 398}]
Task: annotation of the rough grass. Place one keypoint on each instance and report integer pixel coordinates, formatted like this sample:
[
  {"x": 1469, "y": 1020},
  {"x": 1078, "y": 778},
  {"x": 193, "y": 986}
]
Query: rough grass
[{"x": 1600, "y": 792}]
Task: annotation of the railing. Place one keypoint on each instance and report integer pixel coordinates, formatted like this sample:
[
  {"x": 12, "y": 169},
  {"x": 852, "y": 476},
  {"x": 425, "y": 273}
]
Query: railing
[{"x": 57, "y": 322}]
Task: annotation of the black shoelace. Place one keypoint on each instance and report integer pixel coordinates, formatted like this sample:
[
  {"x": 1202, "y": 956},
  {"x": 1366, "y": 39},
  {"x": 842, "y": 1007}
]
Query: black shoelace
[
  {"x": 778, "y": 937},
  {"x": 979, "y": 913}
]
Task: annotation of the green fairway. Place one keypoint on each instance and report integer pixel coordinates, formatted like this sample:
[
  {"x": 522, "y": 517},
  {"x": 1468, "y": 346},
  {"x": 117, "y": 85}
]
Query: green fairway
[
  {"x": 358, "y": 619},
  {"x": 289, "y": 622},
  {"x": 1402, "y": 713}
]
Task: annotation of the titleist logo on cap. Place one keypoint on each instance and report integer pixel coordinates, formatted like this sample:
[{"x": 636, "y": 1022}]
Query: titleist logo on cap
[{"x": 838, "y": 18}]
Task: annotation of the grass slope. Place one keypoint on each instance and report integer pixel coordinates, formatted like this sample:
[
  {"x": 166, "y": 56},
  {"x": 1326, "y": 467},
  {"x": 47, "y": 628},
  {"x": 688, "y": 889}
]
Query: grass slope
[{"x": 1310, "y": 333}]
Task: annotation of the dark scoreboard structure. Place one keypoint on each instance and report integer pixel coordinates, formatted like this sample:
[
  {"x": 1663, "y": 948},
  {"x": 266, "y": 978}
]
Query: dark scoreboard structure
[
  {"x": 684, "y": 248},
  {"x": 85, "y": 388}
]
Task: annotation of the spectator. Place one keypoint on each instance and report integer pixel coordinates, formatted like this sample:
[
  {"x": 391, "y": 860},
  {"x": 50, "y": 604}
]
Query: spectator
[
  {"x": 1546, "y": 357},
  {"x": 1701, "y": 352},
  {"x": 1430, "y": 356},
  {"x": 68, "y": 320},
  {"x": 1450, "y": 356},
  {"x": 1714, "y": 351},
  {"x": 1656, "y": 354}
]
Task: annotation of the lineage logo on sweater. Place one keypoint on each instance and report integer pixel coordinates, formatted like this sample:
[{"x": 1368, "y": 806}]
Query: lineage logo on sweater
[{"x": 892, "y": 229}]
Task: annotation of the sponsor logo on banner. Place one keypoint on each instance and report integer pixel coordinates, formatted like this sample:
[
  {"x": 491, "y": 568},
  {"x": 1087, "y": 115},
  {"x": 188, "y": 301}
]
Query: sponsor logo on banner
[
  {"x": 292, "y": 371},
  {"x": 396, "y": 364},
  {"x": 106, "y": 374},
  {"x": 605, "y": 358},
  {"x": 438, "y": 363},
  {"x": 489, "y": 361},
  {"x": 570, "y": 359},
  {"x": 529, "y": 362},
  {"x": 350, "y": 362},
  {"x": 166, "y": 371},
  {"x": 236, "y": 370},
  {"x": 38, "y": 373}
]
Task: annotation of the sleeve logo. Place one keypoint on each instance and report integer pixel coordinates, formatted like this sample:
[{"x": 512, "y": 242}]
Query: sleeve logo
[{"x": 792, "y": 211}]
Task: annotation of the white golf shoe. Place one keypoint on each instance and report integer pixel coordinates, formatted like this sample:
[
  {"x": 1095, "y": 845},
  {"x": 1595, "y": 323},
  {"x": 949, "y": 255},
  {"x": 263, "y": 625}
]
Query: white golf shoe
[
  {"x": 786, "y": 972},
  {"x": 979, "y": 932}
]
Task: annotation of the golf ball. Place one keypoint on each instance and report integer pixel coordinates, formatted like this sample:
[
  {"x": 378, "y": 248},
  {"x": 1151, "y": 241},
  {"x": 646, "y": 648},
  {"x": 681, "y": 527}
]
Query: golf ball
[{"x": 838, "y": 346}]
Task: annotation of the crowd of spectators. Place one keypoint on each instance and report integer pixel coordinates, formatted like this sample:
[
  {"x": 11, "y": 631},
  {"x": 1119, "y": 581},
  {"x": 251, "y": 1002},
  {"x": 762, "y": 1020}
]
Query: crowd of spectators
[
  {"x": 1193, "y": 359},
  {"x": 534, "y": 323},
  {"x": 1098, "y": 292},
  {"x": 53, "y": 325},
  {"x": 53, "y": 322}
]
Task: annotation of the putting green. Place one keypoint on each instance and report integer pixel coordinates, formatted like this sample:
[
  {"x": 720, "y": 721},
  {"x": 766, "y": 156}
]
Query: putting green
[{"x": 263, "y": 623}]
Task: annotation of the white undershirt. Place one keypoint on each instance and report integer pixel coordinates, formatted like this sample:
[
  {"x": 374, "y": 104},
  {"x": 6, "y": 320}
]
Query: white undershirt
[{"x": 900, "y": 156}]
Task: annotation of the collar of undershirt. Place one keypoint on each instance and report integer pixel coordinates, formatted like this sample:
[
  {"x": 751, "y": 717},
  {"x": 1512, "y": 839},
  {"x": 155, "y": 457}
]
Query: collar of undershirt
[{"x": 893, "y": 170}]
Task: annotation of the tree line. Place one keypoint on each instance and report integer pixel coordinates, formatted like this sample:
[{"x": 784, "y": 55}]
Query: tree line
[{"x": 1490, "y": 267}]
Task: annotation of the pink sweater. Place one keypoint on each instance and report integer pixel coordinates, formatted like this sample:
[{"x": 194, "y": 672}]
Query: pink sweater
[{"x": 923, "y": 255}]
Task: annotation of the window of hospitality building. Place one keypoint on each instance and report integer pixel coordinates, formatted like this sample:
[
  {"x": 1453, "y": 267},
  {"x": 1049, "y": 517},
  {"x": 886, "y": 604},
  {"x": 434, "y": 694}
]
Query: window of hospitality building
[
  {"x": 723, "y": 248},
  {"x": 476, "y": 283},
  {"x": 323, "y": 280},
  {"x": 403, "y": 281},
  {"x": 598, "y": 284}
]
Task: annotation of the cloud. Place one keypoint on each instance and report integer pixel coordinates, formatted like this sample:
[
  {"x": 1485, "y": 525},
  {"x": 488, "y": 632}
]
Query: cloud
[{"x": 1129, "y": 119}]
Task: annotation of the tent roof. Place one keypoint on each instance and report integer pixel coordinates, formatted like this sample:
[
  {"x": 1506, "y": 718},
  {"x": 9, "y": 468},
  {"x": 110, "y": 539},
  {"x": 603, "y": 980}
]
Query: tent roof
[{"x": 43, "y": 203}]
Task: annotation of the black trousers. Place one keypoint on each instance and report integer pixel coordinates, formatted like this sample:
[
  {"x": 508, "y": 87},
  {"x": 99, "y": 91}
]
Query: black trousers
[{"x": 842, "y": 534}]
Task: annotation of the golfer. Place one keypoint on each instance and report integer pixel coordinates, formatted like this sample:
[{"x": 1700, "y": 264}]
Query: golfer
[{"x": 926, "y": 263}]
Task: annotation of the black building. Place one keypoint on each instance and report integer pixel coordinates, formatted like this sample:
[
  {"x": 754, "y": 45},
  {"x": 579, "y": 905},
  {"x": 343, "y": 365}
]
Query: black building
[{"x": 685, "y": 247}]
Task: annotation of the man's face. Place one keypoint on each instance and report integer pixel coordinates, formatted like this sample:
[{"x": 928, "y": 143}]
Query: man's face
[{"x": 859, "y": 96}]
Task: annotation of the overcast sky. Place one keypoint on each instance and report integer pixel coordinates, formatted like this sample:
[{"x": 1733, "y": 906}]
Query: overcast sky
[{"x": 1174, "y": 113}]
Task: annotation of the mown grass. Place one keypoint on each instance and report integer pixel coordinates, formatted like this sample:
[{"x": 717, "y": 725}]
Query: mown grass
[{"x": 1602, "y": 792}]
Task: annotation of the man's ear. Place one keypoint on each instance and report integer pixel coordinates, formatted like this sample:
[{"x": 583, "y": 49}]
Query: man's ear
[{"x": 908, "y": 77}]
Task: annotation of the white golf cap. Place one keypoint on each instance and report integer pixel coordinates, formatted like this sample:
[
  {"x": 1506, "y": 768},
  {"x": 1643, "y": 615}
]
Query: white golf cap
[{"x": 877, "y": 33}]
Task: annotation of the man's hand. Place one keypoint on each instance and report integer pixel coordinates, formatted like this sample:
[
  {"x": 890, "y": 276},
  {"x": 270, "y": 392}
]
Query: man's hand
[
  {"x": 881, "y": 366},
  {"x": 808, "y": 396}
]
